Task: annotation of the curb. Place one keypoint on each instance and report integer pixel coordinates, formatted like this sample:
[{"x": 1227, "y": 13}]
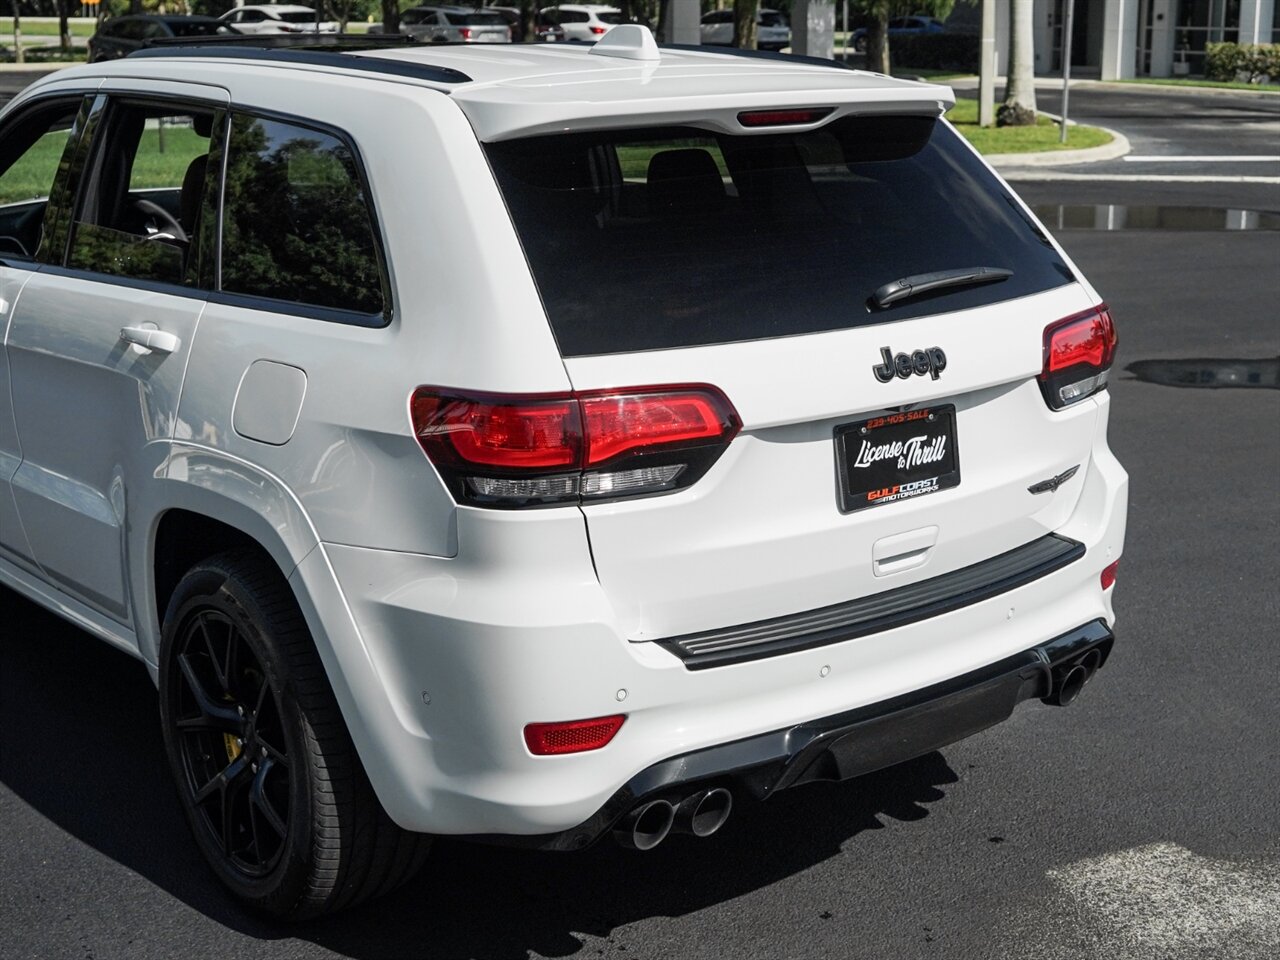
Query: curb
[{"x": 1118, "y": 147}]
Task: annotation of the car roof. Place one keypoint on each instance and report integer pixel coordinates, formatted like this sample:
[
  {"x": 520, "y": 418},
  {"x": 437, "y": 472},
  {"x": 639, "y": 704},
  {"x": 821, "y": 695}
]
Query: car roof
[{"x": 519, "y": 90}]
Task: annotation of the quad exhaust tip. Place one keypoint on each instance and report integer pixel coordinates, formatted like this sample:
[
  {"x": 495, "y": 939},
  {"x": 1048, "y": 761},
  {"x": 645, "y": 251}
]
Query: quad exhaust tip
[
  {"x": 700, "y": 814},
  {"x": 1066, "y": 681}
]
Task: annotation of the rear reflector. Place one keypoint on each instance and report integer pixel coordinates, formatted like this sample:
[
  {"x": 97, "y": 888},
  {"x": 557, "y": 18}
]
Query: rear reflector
[
  {"x": 571, "y": 736},
  {"x": 1109, "y": 574},
  {"x": 1078, "y": 352},
  {"x": 782, "y": 118},
  {"x": 511, "y": 451}
]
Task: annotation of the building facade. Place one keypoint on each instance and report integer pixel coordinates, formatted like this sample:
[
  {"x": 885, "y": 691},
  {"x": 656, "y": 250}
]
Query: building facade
[{"x": 1121, "y": 39}]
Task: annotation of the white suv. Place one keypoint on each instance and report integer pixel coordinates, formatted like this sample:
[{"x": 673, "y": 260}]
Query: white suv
[
  {"x": 699, "y": 426},
  {"x": 584, "y": 22}
]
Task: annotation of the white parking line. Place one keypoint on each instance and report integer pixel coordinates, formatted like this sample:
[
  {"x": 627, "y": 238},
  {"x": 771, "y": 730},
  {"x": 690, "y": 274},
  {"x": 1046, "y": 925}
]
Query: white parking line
[{"x": 1237, "y": 158}]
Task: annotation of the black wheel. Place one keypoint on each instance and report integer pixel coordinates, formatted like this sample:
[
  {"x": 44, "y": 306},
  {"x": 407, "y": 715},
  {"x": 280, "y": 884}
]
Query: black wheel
[{"x": 266, "y": 772}]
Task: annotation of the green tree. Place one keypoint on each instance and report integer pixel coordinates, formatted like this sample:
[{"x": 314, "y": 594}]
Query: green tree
[{"x": 882, "y": 11}]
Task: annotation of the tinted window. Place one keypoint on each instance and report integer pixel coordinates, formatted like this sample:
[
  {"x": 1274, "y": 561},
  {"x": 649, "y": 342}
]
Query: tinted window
[
  {"x": 667, "y": 238},
  {"x": 719, "y": 16},
  {"x": 612, "y": 18},
  {"x": 143, "y": 194},
  {"x": 772, "y": 19},
  {"x": 570, "y": 16},
  {"x": 31, "y": 151},
  {"x": 296, "y": 223},
  {"x": 298, "y": 16}
]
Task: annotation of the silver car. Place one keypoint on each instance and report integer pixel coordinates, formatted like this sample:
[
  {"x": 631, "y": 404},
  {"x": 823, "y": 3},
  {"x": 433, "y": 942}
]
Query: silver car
[{"x": 455, "y": 25}]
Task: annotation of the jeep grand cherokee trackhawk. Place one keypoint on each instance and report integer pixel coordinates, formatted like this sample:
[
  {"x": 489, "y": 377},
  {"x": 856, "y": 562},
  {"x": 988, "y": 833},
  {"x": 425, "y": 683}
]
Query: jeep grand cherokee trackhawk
[{"x": 540, "y": 445}]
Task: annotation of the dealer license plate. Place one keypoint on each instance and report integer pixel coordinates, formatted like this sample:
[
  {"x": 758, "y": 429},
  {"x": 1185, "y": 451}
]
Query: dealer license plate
[{"x": 897, "y": 457}]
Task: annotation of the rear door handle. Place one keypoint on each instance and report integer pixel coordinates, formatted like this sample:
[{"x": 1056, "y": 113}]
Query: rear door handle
[{"x": 149, "y": 338}]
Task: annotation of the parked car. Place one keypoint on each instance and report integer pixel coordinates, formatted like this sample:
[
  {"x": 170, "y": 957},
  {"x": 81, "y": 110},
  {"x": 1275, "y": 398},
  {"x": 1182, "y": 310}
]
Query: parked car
[
  {"x": 901, "y": 27},
  {"x": 120, "y": 36},
  {"x": 583, "y": 22},
  {"x": 544, "y": 30},
  {"x": 455, "y": 25},
  {"x": 461, "y": 458},
  {"x": 277, "y": 18},
  {"x": 773, "y": 32}
]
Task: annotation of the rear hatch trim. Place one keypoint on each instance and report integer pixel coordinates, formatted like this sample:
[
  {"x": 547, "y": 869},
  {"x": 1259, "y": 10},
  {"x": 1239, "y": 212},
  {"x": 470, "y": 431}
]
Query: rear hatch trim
[{"x": 882, "y": 611}]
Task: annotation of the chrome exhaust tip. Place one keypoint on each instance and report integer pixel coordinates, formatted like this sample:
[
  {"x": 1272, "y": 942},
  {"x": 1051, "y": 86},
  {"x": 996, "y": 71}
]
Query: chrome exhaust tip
[
  {"x": 646, "y": 826},
  {"x": 703, "y": 813}
]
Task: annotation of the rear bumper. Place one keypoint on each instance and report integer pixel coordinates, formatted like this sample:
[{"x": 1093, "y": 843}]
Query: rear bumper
[{"x": 846, "y": 745}]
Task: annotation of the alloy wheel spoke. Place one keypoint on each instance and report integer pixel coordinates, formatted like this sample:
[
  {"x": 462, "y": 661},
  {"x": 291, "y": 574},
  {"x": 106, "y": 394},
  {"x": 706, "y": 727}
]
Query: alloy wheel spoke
[
  {"x": 220, "y": 716},
  {"x": 258, "y": 797},
  {"x": 224, "y": 779}
]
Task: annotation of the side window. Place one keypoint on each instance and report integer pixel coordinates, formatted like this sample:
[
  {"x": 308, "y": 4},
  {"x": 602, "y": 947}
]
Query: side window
[
  {"x": 144, "y": 193},
  {"x": 296, "y": 224},
  {"x": 31, "y": 152}
]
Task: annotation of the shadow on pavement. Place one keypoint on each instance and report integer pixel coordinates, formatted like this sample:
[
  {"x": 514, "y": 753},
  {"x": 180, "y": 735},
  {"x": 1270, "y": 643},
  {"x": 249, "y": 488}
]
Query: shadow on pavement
[{"x": 80, "y": 744}]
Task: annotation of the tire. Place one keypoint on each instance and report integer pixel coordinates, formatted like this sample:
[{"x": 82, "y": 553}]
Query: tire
[{"x": 267, "y": 775}]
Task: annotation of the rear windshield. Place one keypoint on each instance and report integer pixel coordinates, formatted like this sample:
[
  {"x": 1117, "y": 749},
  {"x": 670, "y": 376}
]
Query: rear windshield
[
  {"x": 298, "y": 16},
  {"x": 475, "y": 19},
  {"x": 675, "y": 237},
  {"x": 613, "y": 18},
  {"x": 772, "y": 19}
]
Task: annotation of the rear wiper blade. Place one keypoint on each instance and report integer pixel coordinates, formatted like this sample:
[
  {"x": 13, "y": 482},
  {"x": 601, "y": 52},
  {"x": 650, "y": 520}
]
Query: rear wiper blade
[{"x": 920, "y": 283}]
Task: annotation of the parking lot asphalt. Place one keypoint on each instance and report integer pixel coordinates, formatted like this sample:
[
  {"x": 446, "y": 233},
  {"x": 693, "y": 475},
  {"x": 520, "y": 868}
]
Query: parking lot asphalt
[
  {"x": 1171, "y": 133},
  {"x": 1140, "y": 823}
]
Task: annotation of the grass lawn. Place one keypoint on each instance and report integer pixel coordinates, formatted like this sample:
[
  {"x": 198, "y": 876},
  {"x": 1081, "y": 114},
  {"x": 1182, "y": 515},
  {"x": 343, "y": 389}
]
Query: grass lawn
[
  {"x": 1043, "y": 136},
  {"x": 30, "y": 29},
  {"x": 31, "y": 176},
  {"x": 1196, "y": 82}
]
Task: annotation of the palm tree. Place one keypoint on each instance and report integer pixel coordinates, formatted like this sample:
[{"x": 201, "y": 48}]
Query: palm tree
[{"x": 1019, "y": 107}]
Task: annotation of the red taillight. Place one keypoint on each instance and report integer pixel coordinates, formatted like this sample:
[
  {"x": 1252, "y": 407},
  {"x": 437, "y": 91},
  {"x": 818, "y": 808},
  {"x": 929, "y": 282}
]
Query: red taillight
[
  {"x": 619, "y": 423},
  {"x": 782, "y": 118},
  {"x": 1109, "y": 574},
  {"x": 501, "y": 450},
  {"x": 465, "y": 33},
  {"x": 1078, "y": 351},
  {"x": 571, "y": 736},
  {"x": 599, "y": 30},
  {"x": 499, "y": 432}
]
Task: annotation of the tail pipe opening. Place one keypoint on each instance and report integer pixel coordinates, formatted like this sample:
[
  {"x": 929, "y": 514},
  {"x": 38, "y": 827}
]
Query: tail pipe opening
[
  {"x": 1067, "y": 679},
  {"x": 646, "y": 826},
  {"x": 703, "y": 813}
]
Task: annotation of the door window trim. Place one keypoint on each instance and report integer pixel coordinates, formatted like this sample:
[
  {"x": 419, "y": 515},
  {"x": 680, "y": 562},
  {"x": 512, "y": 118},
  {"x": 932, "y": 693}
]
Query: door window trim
[{"x": 86, "y": 149}]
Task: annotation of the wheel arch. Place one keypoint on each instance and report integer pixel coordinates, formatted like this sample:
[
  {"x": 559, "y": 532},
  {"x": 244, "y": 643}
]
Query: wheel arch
[{"x": 207, "y": 504}]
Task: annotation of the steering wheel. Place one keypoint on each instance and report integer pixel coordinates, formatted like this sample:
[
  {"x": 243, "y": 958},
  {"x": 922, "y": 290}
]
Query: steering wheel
[{"x": 168, "y": 223}]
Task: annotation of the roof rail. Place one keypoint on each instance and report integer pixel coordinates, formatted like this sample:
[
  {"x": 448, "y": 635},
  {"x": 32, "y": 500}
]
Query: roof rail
[
  {"x": 273, "y": 41},
  {"x": 337, "y": 55},
  {"x": 757, "y": 55}
]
